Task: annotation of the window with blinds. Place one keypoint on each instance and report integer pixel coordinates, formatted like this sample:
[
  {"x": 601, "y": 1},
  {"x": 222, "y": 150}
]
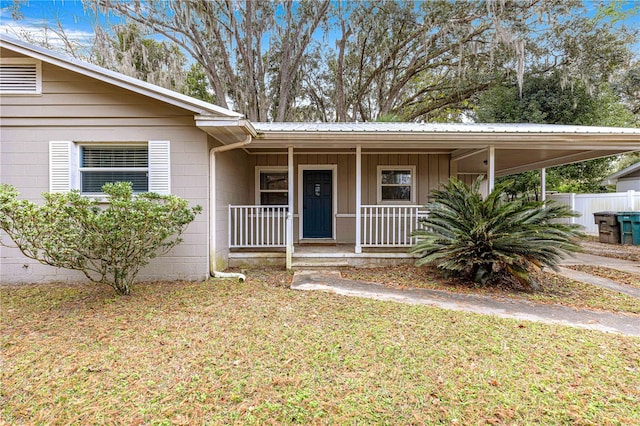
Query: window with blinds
[
  {"x": 20, "y": 76},
  {"x": 110, "y": 164}
]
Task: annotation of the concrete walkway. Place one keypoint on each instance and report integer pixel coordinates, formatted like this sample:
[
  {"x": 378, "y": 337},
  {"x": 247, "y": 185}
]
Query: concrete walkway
[{"x": 331, "y": 281}]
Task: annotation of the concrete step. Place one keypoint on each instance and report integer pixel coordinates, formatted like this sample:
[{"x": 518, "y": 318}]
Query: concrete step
[{"x": 329, "y": 264}]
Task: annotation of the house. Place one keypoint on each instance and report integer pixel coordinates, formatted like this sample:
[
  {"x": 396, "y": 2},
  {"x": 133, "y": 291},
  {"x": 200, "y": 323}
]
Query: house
[
  {"x": 279, "y": 193},
  {"x": 627, "y": 179}
]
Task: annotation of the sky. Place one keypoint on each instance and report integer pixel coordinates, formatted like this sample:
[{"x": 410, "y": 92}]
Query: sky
[
  {"x": 38, "y": 14},
  {"x": 78, "y": 23}
]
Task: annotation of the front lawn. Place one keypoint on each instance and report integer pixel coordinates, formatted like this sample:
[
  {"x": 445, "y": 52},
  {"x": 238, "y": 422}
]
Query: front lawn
[{"x": 254, "y": 353}]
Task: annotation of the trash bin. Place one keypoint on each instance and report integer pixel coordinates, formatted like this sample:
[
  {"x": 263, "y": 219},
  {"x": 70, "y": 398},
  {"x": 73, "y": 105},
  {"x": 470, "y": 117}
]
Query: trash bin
[
  {"x": 629, "y": 227},
  {"x": 608, "y": 227}
]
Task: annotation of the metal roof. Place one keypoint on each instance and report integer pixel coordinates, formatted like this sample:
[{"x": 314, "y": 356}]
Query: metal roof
[
  {"x": 384, "y": 127},
  {"x": 116, "y": 78}
]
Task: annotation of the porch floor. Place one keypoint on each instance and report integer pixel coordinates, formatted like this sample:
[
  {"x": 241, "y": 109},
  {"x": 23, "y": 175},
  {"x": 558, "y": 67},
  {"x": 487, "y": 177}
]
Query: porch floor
[{"x": 323, "y": 256}]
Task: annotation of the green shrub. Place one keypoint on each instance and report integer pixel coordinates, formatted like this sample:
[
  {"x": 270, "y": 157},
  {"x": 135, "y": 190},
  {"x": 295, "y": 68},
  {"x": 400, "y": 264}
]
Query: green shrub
[
  {"x": 493, "y": 241},
  {"x": 109, "y": 245}
]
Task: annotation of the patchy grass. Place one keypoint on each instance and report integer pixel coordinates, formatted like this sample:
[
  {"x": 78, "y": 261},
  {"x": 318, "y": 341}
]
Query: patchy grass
[
  {"x": 621, "y": 277},
  {"x": 555, "y": 288},
  {"x": 257, "y": 353}
]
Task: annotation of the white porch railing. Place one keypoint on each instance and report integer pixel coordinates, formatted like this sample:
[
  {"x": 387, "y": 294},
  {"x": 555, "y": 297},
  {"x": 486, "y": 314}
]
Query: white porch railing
[
  {"x": 257, "y": 226},
  {"x": 390, "y": 225}
]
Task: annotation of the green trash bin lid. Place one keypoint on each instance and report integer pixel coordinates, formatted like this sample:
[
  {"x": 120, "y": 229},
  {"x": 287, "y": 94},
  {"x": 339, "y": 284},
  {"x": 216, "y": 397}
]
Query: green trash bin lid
[{"x": 628, "y": 216}]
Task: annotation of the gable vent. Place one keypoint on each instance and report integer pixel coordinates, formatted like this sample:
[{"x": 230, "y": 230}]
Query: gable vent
[{"x": 19, "y": 76}]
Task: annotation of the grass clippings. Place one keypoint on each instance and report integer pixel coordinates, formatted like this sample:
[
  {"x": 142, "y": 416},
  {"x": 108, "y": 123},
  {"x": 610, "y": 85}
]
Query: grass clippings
[
  {"x": 554, "y": 289},
  {"x": 225, "y": 352},
  {"x": 621, "y": 277}
]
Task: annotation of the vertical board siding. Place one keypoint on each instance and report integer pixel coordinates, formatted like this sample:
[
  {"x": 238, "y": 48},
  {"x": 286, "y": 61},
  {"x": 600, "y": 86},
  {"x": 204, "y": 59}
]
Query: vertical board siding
[{"x": 432, "y": 171}]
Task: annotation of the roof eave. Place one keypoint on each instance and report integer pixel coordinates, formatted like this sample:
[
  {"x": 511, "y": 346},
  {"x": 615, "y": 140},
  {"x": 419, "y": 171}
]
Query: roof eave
[
  {"x": 623, "y": 141},
  {"x": 613, "y": 179},
  {"x": 224, "y": 129}
]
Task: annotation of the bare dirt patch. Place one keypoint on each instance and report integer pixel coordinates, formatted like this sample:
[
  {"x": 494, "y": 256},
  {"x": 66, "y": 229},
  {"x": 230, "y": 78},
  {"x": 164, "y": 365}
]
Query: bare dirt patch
[
  {"x": 617, "y": 251},
  {"x": 553, "y": 288},
  {"x": 621, "y": 277}
]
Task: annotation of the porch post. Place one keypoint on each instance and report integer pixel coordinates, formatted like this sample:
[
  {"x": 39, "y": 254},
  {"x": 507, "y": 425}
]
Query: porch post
[
  {"x": 358, "y": 198},
  {"x": 491, "y": 168},
  {"x": 543, "y": 183},
  {"x": 289, "y": 239}
]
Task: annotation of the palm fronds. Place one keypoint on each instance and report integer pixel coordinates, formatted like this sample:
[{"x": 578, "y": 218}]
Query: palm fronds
[{"x": 484, "y": 239}]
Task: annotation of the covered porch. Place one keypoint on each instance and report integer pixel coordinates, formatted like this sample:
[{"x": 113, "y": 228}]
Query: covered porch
[{"x": 349, "y": 193}]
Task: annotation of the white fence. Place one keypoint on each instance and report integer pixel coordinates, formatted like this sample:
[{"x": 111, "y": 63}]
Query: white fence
[
  {"x": 588, "y": 204},
  {"x": 390, "y": 226},
  {"x": 257, "y": 226}
]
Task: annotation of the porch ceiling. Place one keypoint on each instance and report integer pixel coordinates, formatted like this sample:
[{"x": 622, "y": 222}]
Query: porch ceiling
[{"x": 517, "y": 147}]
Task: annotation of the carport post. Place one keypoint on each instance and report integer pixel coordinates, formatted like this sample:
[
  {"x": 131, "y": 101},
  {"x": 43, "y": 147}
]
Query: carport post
[
  {"x": 289, "y": 220},
  {"x": 358, "y": 248},
  {"x": 543, "y": 183},
  {"x": 491, "y": 168}
]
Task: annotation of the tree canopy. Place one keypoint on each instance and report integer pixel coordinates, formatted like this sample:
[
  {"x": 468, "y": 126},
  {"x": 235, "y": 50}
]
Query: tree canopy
[
  {"x": 366, "y": 60},
  {"x": 549, "y": 99}
]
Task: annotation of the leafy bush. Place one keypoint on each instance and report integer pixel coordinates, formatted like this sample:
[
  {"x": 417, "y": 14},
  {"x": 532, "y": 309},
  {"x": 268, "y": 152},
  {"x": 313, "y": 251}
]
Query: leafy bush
[
  {"x": 109, "y": 245},
  {"x": 493, "y": 240}
]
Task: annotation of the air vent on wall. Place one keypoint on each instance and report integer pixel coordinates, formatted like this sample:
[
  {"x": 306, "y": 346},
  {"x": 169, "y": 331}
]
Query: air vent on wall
[{"x": 20, "y": 76}]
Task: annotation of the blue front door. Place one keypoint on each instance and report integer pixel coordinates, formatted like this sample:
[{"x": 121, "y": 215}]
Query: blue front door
[{"x": 317, "y": 203}]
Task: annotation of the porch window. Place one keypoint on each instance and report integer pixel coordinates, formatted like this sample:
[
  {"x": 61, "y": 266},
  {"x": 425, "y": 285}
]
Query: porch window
[
  {"x": 396, "y": 184},
  {"x": 109, "y": 164},
  {"x": 272, "y": 187}
]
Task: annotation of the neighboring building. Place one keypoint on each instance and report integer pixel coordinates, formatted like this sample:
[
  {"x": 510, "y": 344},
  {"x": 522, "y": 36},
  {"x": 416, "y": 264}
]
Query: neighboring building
[
  {"x": 627, "y": 179},
  {"x": 286, "y": 193}
]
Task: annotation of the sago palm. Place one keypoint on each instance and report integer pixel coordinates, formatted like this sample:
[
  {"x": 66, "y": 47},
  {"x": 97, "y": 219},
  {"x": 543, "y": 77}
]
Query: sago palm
[{"x": 490, "y": 240}]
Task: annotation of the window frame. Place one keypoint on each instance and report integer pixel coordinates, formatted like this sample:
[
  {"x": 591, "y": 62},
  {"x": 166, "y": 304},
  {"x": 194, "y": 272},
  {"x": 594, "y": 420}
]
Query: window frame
[
  {"x": 412, "y": 171},
  {"x": 64, "y": 157},
  {"x": 258, "y": 191},
  {"x": 80, "y": 169},
  {"x": 24, "y": 61}
]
